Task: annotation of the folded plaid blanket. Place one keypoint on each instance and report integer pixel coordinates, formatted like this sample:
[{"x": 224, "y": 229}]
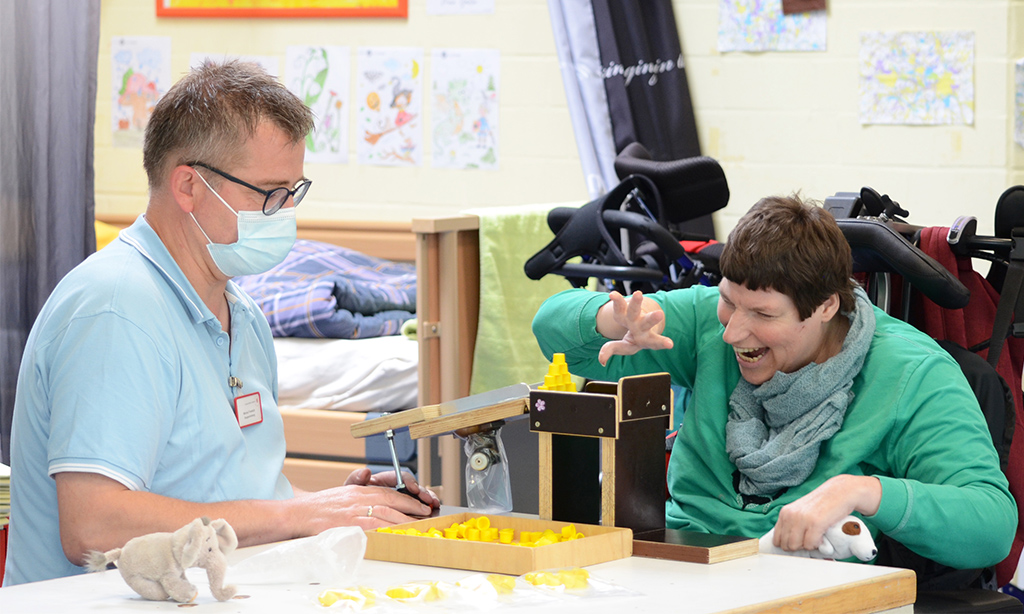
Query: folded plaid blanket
[{"x": 322, "y": 290}]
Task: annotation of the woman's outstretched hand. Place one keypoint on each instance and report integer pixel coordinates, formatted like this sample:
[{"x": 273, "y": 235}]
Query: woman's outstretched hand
[{"x": 632, "y": 325}]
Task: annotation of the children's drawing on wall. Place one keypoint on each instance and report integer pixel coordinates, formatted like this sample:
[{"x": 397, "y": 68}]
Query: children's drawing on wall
[
  {"x": 389, "y": 106},
  {"x": 1018, "y": 107},
  {"x": 320, "y": 77},
  {"x": 760, "y": 25},
  {"x": 917, "y": 78},
  {"x": 140, "y": 75},
  {"x": 269, "y": 63},
  {"x": 465, "y": 108}
]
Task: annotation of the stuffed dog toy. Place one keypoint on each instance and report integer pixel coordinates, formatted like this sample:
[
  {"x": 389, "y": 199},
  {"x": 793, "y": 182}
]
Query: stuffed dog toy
[
  {"x": 847, "y": 538},
  {"x": 154, "y": 565}
]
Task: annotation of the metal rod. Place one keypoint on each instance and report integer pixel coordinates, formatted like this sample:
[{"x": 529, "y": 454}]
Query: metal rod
[{"x": 399, "y": 483}]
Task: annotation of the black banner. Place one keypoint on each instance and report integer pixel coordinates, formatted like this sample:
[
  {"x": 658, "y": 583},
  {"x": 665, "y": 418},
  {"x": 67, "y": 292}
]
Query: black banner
[{"x": 645, "y": 81}]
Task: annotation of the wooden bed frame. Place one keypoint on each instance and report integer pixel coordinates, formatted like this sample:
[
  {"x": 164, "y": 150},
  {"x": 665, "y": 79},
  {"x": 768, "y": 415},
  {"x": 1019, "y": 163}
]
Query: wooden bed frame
[{"x": 446, "y": 252}]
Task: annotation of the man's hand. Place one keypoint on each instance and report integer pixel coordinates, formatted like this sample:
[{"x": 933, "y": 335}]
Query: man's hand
[
  {"x": 802, "y": 523},
  {"x": 363, "y": 477},
  {"x": 361, "y": 505},
  {"x": 632, "y": 325}
]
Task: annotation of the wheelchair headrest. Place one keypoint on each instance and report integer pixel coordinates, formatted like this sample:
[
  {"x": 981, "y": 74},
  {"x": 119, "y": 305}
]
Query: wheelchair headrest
[
  {"x": 877, "y": 248},
  {"x": 689, "y": 188},
  {"x": 1010, "y": 211}
]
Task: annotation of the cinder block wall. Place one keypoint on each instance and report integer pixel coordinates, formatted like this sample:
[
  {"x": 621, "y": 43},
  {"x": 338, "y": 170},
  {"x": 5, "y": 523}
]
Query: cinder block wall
[
  {"x": 780, "y": 122},
  {"x": 777, "y": 121}
]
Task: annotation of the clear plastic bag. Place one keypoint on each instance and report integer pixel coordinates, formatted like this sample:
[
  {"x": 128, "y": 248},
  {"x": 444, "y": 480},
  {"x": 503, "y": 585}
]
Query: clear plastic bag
[
  {"x": 480, "y": 592},
  {"x": 573, "y": 583},
  {"x": 488, "y": 487},
  {"x": 330, "y": 557}
]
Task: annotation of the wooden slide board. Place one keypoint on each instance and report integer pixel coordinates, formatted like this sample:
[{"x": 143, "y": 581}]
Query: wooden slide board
[
  {"x": 396, "y": 420},
  {"x": 473, "y": 417},
  {"x": 427, "y": 421}
]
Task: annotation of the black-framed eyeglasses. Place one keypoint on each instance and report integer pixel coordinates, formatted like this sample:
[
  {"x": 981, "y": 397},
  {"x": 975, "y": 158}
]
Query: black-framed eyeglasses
[{"x": 273, "y": 199}]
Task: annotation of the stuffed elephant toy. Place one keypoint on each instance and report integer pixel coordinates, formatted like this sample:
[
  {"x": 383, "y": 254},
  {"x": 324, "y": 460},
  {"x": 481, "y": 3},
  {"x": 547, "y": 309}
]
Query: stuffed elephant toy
[
  {"x": 847, "y": 538},
  {"x": 154, "y": 565}
]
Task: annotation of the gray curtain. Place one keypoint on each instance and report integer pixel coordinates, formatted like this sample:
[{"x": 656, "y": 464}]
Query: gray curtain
[
  {"x": 48, "y": 57},
  {"x": 625, "y": 81},
  {"x": 579, "y": 58}
]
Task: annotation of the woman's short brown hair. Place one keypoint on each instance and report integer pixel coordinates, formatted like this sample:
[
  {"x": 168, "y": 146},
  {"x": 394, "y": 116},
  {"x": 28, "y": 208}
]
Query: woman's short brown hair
[
  {"x": 212, "y": 111},
  {"x": 794, "y": 247}
]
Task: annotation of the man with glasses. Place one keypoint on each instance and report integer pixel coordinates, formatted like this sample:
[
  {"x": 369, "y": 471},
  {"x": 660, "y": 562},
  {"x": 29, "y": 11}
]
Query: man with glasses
[{"x": 148, "y": 387}]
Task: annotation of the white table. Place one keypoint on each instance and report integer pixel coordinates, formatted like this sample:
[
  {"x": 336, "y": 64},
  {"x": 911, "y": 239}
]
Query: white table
[{"x": 752, "y": 584}]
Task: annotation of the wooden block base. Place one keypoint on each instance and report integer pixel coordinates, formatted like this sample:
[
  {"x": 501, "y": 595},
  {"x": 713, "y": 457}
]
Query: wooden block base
[{"x": 692, "y": 546}]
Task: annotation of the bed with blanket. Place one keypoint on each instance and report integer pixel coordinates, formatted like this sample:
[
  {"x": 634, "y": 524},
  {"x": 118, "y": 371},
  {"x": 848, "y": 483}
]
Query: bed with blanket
[{"x": 336, "y": 315}]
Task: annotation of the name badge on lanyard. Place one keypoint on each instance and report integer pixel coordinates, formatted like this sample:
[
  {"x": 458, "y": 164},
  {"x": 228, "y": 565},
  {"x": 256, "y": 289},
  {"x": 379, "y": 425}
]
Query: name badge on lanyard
[{"x": 249, "y": 409}]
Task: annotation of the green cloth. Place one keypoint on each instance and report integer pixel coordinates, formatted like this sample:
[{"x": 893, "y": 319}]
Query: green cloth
[
  {"x": 506, "y": 353},
  {"x": 913, "y": 423},
  {"x": 409, "y": 329}
]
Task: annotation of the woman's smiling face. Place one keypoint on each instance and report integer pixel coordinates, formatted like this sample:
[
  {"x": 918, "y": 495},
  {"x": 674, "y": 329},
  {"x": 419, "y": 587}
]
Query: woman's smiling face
[{"x": 766, "y": 332}]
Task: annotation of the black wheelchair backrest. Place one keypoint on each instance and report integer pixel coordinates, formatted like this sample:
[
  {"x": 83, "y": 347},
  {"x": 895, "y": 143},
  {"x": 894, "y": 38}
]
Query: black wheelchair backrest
[
  {"x": 690, "y": 188},
  {"x": 587, "y": 231},
  {"x": 626, "y": 234}
]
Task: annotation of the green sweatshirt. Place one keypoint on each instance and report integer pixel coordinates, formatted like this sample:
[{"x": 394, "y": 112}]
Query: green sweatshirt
[{"x": 913, "y": 423}]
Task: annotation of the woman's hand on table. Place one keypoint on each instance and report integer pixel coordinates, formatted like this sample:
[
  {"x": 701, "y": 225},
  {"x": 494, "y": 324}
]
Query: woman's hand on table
[
  {"x": 802, "y": 523},
  {"x": 633, "y": 325}
]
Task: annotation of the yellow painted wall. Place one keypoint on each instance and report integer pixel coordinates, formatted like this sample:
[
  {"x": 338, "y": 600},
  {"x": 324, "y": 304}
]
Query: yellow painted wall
[
  {"x": 1015, "y": 27},
  {"x": 778, "y": 122},
  {"x": 537, "y": 158},
  {"x": 785, "y": 121}
]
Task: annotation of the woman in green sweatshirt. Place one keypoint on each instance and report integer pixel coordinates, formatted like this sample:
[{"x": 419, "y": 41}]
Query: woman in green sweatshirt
[{"x": 808, "y": 403}]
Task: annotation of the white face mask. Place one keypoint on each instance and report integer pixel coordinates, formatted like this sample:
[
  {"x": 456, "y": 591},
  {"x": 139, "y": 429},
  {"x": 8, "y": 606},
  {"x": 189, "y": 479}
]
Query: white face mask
[{"x": 263, "y": 240}]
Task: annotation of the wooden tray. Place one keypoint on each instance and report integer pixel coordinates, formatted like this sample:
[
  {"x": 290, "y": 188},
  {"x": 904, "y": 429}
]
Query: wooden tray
[{"x": 601, "y": 544}]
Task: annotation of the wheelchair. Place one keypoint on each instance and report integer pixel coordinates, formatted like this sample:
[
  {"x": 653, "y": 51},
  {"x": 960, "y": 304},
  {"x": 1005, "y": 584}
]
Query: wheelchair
[
  {"x": 628, "y": 240},
  {"x": 893, "y": 257}
]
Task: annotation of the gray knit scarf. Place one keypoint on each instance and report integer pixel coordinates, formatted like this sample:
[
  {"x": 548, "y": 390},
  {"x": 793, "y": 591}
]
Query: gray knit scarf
[{"x": 774, "y": 430}]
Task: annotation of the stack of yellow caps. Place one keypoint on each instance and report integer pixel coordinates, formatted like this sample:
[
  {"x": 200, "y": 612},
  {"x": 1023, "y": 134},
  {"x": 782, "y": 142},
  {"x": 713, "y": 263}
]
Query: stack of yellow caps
[{"x": 558, "y": 376}]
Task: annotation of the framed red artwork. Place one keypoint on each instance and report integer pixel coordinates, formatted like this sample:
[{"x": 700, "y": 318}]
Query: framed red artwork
[
  {"x": 282, "y": 8},
  {"x": 792, "y": 7}
]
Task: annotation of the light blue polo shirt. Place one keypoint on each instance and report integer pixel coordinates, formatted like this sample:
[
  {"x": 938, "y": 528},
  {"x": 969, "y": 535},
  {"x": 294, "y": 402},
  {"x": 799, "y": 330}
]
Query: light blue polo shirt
[{"x": 126, "y": 374}]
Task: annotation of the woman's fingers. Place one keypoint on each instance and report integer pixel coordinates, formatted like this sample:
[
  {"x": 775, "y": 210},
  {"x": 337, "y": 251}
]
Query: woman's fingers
[
  {"x": 634, "y": 308},
  {"x": 616, "y": 348}
]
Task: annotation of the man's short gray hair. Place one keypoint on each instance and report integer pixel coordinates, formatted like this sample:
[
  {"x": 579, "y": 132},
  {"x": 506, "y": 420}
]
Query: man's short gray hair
[{"x": 212, "y": 111}]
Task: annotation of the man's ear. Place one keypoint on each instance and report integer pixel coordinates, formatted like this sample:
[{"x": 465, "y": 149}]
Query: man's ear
[{"x": 183, "y": 184}]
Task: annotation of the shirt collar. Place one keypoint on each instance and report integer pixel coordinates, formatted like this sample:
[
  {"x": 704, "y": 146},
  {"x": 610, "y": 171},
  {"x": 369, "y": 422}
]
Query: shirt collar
[{"x": 144, "y": 239}]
